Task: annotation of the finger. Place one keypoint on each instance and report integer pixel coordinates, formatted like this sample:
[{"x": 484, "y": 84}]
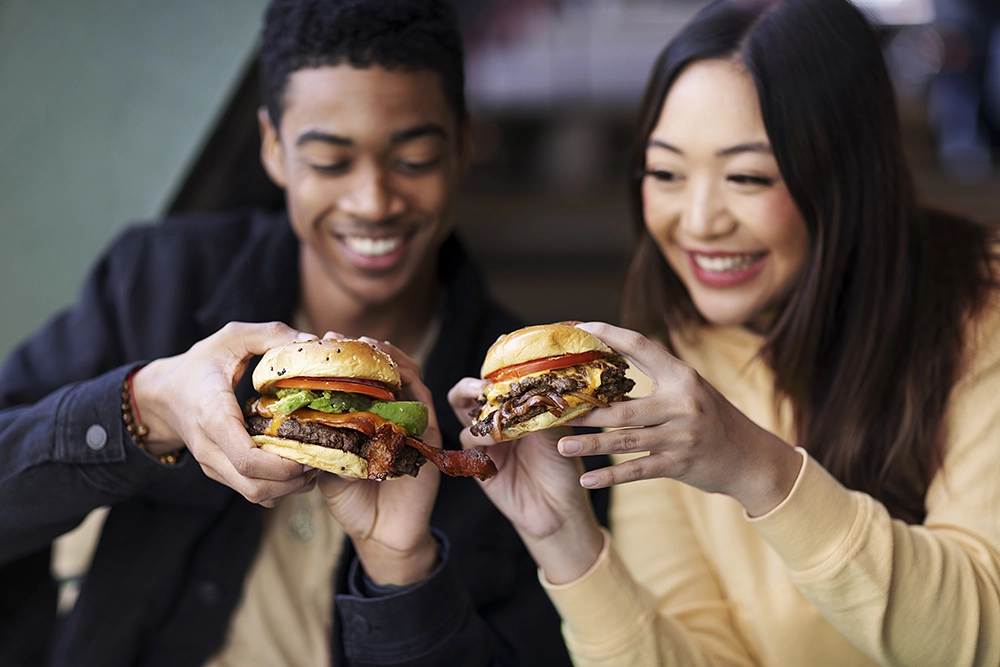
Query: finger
[
  {"x": 464, "y": 396},
  {"x": 331, "y": 484},
  {"x": 412, "y": 385},
  {"x": 620, "y": 441},
  {"x": 402, "y": 359},
  {"x": 310, "y": 485},
  {"x": 262, "y": 492},
  {"x": 246, "y": 339},
  {"x": 645, "y": 411},
  {"x": 229, "y": 437},
  {"x": 470, "y": 441},
  {"x": 333, "y": 335},
  {"x": 629, "y": 471},
  {"x": 649, "y": 357}
]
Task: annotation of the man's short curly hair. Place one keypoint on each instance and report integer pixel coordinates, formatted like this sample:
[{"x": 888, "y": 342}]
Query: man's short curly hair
[{"x": 395, "y": 34}]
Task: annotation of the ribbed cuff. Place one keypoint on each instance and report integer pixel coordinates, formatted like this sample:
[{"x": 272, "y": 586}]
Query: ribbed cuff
[
  {"x": 814, "y": 522},
  {"x": 624, "y": 606}
]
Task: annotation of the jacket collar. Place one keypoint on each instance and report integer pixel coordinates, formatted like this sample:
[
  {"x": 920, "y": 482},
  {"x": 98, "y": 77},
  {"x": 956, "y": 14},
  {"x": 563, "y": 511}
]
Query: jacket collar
[{"x": 262, "y": 283}]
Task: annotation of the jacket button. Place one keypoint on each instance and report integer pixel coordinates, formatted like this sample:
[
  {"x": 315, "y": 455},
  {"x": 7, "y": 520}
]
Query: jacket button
[
  {"x": 97, "y": 437},
  {"x": 209, "y": 592},
  {"x": 361, "y": 625}
]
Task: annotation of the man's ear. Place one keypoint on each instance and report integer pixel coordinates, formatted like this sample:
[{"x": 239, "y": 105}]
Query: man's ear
[
  {"x": 465, "y": 148},
  {"x": 271, "y": 154}
]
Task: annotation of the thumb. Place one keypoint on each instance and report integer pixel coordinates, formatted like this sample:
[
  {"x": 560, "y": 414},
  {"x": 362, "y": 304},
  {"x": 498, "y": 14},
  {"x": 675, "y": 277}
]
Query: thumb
[
  {"x": 247, "y": 339},
  {"x": 332, "y": 485}
]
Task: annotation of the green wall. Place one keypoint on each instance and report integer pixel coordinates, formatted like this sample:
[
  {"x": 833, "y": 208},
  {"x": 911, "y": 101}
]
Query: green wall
[{"x": 103, "y": 104}]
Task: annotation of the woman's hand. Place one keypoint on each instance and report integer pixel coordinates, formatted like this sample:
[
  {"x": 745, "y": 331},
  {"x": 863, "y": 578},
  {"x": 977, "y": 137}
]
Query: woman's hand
[
  {"x": 389, "y": 522},
  {"x": 538, "y": 491},
  {"x": 188, "y": 401},
  {"x": 692, "y": 433}
]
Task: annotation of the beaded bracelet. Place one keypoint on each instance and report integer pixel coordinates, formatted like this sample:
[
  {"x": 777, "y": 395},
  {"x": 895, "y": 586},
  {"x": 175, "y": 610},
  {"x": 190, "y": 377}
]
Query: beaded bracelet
[{"x": 136, "y": 429}]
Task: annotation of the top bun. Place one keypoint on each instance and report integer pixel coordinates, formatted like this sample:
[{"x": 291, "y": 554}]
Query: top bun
[
  {"x": 539, "y": 342},
  {"x": 325, "y": 358}
]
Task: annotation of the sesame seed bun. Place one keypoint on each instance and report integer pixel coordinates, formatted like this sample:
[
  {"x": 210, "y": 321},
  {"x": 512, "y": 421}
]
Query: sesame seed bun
[{"x": 325, "y": 358}]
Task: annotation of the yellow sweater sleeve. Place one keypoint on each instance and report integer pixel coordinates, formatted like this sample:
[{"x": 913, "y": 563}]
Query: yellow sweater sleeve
[
  {"x": 681, "y": 619},
  {"x": 925, "y": 595},
  {"x": 909, "y": 595}
]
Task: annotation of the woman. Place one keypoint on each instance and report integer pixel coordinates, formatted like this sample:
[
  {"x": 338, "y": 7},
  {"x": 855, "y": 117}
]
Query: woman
[{"x": 824, "y": 432}]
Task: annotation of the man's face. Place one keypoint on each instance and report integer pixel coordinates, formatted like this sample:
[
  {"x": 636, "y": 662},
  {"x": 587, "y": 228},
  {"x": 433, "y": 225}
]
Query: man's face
[{"x": 370, "y": 160}]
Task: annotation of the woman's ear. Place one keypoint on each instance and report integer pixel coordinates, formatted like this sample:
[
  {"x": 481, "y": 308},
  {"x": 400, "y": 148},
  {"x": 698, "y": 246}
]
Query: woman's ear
[{"x": 271, "y": 154}]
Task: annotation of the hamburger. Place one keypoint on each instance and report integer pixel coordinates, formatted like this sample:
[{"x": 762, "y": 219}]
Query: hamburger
[
  {"x": 544, "y": 376},
  {"x": 330, "y": 404}
]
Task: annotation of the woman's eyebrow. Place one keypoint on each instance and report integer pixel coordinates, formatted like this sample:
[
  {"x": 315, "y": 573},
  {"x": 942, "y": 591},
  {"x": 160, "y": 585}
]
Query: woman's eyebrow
[
  {"x": 751, "y": 147},
  {"x": 754, "y": 147},
  {"x": 659, "y": 143}
]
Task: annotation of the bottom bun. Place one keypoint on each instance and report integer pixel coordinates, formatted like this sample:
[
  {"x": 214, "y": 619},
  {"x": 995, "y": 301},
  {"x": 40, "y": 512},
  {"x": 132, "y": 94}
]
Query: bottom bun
[
  {"x": 332, "y": 460},
  {"x": 544, "y": 421}
]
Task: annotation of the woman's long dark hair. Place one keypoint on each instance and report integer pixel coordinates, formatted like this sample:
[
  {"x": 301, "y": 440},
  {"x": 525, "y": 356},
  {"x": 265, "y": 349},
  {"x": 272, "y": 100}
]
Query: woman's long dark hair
[{"x": 870, "y": 341}]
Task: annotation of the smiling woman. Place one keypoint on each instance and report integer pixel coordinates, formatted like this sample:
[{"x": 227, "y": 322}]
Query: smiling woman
[
  {"x": 714, "y": 200},
  {"x": 814, "y": 467}
]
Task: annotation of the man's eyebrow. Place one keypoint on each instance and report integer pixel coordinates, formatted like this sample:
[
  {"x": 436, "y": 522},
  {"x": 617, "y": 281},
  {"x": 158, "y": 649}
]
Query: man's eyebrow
[
  {"x": 427, "y": 129},
  {"x": 401, "y": 136},
  {"x": 324, "y": 137}
]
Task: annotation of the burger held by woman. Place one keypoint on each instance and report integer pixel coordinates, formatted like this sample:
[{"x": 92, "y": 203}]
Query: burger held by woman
[{"x": 813, "y": 477}]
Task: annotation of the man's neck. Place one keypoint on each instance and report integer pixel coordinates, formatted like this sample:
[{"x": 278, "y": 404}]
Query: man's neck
[{"x": 325, "y": 305}]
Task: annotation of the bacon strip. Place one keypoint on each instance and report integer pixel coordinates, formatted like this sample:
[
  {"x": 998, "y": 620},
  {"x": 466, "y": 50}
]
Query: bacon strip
[
  {"x": 466, "y": 463},
  {"x": 383, "y": 448}
]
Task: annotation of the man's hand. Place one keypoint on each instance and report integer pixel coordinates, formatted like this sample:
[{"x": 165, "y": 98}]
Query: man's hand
[
  {"x": 389, "y": 522},
  {"x": 189, "y": 401}
]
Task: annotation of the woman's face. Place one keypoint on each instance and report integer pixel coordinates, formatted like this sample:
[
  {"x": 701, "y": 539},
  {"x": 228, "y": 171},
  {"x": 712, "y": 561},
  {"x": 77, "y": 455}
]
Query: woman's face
[{"x": 714, "y": 201}]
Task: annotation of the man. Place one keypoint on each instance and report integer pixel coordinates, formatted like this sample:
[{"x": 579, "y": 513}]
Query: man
[{"x": 365, "y": 128}]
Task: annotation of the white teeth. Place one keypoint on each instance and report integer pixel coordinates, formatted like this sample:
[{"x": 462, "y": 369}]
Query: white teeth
[
  {"x": 370, "y": 247},
  {"x": 727, "y": 263}
]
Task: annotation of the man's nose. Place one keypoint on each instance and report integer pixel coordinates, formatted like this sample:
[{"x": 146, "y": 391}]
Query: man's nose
[{"x": 370, "y": 195}]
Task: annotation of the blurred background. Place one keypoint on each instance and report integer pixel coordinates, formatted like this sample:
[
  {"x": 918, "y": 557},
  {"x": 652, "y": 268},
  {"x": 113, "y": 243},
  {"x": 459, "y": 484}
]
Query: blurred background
[{"x": 115, "y": 111}]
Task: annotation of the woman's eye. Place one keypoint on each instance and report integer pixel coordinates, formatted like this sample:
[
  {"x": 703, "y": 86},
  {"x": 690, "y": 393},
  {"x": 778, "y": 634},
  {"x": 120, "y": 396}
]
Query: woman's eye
[
  {"x": 663, "y": 175},
  {"x": 747, "y": 179}
]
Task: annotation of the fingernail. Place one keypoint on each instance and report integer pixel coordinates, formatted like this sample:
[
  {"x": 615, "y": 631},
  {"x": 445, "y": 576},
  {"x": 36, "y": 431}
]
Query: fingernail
[
  {"x": 588, "y": 481},
  {"x": 307, "y": 468},
  {"x": 569, "y": 447}
]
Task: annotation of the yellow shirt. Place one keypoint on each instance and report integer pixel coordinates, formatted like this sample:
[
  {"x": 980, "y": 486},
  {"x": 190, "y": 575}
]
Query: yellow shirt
[
  {"x": 286, "y": 611},
  {"x": 826, "y": 577}
]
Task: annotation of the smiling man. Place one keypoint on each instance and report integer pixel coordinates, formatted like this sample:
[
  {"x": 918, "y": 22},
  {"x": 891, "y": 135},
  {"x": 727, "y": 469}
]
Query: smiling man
[{"x": 364, "y": 126}]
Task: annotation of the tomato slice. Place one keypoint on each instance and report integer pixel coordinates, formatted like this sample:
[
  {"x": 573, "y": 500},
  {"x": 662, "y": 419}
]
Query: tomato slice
[
  {"x": 546, "y": 364},
  {"x": 335, "y": 384}
]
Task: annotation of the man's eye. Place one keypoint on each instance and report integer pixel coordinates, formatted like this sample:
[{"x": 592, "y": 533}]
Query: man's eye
[
  {"x": 663, "y": 175},
  {"x": 746, "y": 179},
  {"x": 335, "y": 168},
  {"x": 417, "y": 166}
]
